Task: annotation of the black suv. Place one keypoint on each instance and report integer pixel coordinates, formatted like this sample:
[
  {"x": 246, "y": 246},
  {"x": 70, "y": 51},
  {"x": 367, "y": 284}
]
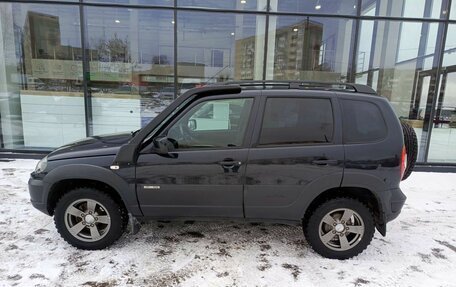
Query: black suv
[{"x": 329, "y": 156}]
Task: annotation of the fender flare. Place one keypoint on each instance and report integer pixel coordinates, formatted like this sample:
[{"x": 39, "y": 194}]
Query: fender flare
[
  {"x": 350, "y": 179},
  {"x": 366, "y": 181},
  {"x": 376, "y": 185},
  {"x": 311, "y": 192},
  {"x": 126, "y": 191}
]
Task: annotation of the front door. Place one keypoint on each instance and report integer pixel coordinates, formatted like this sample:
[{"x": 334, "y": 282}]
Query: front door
[{"x": 204, "y": 175}]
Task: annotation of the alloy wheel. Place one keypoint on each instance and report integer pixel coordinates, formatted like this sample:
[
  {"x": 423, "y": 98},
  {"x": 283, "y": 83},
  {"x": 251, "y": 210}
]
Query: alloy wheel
[
  {"x": 341, "y": 229},
  {"x": 87, "y": 220}
]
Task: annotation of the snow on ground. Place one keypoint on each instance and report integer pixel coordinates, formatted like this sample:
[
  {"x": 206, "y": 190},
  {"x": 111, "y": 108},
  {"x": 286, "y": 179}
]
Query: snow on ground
[{"x": 419, "y": 250}]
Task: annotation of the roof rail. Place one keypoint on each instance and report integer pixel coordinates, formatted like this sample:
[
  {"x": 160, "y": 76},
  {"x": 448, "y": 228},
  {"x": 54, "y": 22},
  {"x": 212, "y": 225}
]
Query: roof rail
[{"x": 305, "y": 85}]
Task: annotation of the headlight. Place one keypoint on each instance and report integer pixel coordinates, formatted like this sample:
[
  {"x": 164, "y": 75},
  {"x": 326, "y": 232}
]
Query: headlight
[{"x": 41, "y": 166}]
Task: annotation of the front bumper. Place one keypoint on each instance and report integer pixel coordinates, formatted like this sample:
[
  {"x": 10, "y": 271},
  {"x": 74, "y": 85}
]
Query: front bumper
[{"x": 36, "y": 190}]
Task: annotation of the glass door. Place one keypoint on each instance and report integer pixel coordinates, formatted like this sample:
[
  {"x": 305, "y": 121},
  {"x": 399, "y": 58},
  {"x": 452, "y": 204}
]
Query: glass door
[
  {"x": 443, "y": 137},
  {"x": 420, "y": 112}
]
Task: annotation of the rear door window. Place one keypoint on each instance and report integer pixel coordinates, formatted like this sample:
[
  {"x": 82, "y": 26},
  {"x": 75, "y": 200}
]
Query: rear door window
[
  {"x": 362, "y": 122},
  {"x": 297, "y": 121}
]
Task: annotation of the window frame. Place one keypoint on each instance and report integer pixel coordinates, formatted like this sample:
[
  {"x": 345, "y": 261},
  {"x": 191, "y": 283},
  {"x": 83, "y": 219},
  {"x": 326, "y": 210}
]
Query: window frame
[
  {"x": 248, "y": 130},
  {"x": 261, "y": 114}
]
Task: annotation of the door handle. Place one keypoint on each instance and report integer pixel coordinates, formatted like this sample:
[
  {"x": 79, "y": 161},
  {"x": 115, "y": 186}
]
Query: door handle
[
  {"x": 230, "y": 163},
  {"x": 325, "y": 162}
]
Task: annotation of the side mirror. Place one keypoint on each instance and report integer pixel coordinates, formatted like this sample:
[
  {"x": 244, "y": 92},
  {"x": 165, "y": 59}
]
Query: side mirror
[
  {"x": 192, "y": 124},
  {"x": 163, "y": 146}
]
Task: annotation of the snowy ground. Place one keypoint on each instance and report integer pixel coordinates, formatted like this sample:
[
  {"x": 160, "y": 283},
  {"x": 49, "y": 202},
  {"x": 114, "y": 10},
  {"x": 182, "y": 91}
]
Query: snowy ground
[{"x": 419, "y": 250}]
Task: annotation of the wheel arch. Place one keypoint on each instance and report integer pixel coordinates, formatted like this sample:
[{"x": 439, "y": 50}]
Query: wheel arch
[
  {"x": 62, "y": 187},
  {"x": 364, "y": 195},
  {"x": 62, "y": 179}
]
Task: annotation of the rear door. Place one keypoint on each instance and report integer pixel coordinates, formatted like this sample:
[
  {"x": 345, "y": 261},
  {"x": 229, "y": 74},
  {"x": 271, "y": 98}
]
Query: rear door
[{"x": 296, "y": 153}]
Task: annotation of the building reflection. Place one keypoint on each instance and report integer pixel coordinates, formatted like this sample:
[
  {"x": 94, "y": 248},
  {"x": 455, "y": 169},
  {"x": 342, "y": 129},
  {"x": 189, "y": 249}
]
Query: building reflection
[{"x": 131, "y": 58}]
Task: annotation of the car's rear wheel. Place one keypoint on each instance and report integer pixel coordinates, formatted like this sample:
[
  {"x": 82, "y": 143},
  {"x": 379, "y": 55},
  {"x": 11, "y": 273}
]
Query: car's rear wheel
[
  {"x": 411, "y": 147},
  {"x": 340, "y": 228},
  {"x": 89, "y": 219}
]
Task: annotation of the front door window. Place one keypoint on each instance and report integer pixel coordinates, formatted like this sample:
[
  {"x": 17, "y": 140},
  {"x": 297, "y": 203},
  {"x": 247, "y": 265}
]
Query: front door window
[{"x": 212, "y": 124}]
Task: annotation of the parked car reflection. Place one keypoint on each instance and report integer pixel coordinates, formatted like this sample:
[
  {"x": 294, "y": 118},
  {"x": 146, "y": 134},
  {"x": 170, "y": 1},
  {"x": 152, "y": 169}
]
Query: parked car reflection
[{"x": 446, "y": 116}]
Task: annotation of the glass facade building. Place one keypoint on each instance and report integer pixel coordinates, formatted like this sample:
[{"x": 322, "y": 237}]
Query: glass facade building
[{"x": 71, "y": 69}]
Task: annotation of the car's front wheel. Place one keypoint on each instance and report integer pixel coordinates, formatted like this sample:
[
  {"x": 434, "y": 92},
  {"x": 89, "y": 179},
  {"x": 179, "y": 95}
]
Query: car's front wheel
[
  {"x": 88, "y": 218},
  {"x": 340, "y": 228}
]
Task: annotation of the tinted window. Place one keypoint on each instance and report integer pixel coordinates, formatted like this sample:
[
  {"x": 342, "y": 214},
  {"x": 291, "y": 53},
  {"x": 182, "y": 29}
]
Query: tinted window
[
  {"x": 297, "y": 120},
  {"x": 363, "y": 122},
  {"x": 213, "y": 123}
]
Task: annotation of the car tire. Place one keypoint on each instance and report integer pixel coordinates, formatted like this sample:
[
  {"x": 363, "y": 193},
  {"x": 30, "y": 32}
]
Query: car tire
[
  {"x": 89, "y": 219},
  {"x": 411, "y": 147},
  {"x": 339, "y": 228}
]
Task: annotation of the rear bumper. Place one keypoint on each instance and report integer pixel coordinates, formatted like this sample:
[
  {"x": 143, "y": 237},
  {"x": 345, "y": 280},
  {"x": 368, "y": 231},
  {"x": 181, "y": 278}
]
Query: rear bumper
[
  {"x": 36, "y": 190},
  {"x": 392, "y": 202},
  {"x": 395, "y": 204}
]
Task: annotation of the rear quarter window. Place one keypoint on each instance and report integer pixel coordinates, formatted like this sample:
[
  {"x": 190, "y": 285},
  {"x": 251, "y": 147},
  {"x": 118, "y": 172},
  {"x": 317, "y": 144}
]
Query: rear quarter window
[{"x": 362, "y": 122}]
